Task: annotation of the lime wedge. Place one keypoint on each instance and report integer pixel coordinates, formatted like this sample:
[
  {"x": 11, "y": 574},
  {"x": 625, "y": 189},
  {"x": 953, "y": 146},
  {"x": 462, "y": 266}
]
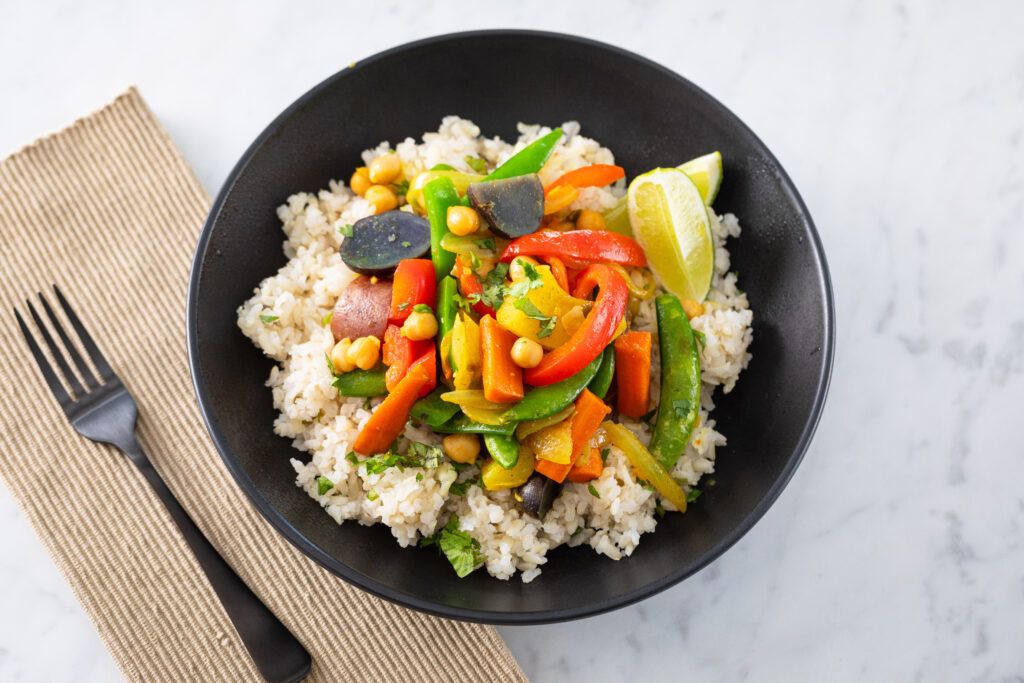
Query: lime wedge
[
  {"x": 706, "y": 174},
  {"x": 671, "y": 223}
]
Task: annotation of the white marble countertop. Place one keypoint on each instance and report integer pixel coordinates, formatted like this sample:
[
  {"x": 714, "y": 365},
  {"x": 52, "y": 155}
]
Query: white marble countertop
[{"x": 897, "y": 551}]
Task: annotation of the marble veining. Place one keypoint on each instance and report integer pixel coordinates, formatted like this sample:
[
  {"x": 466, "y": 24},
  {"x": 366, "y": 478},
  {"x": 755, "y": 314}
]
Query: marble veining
[{"x": 897, "y": 551}]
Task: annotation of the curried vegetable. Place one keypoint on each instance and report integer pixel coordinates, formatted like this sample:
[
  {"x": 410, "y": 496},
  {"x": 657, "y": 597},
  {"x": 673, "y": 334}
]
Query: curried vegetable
[
  {"x": 529, "y": 159},
  {"x": 595, "y": 175},
  {"x": 380, "y": 242},
  {"x": 438, "y": 196},
  {"x": 537, "y": 494},
  {"x": 471, "y": 285},
  {"x": 645, "y": 465},
  {"x": 495, "y": 477},
  {"x": 633, "y": 373},
  {"x": 547, "y": 400},
  {"x": 554, "y": 443},
  {"x": 465, "y": 355},
  {"x": 360, "y": 383},
  {"x": 524, "y": 429},
  {"x": 460, "y": 180},
  {"x": 603, "y": 379},
  {"x": 461, "y": 424},
  {"x": 536, "y": 310},
  {"x": 388, "y": 420},
  {"x": 590, "y": 411},
  {"x": 414, "y": 285},
  {"x": 400, "y": 353},
  {"x": 588, "y": 466},
  {"x": 512, "y": 206},
  {"x": 599, "y": 328},
  {"x": 680, "y": 382},
  {"x": 503, "y": 448},
  {"x": 502, "y": 378},
  {"x": 578, "y": 247}
]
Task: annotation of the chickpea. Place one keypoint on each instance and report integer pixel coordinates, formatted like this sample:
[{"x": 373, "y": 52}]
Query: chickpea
[
  {"x": 382, "y": 198},
  {"x": 339, "y": 356},
  {"x": 360, "y": 181},
  {"x": 364, "y": 353},
  {"x": 526, "y": 353},
  {"x": 463, "y": 220},
  {"x": 516, "y": 271},
  {"x": 461, "y": 447},
  {"x": 692, "y": 308},
  {"x": 590, "y": 220},
  {"x": 419, "y": 326},
  {"x": 385, "y": 169},
  {"x": 572, "y": 319}
]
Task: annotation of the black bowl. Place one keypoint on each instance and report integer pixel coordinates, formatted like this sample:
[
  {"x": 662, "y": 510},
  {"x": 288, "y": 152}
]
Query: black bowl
[{"x": 649, "y": 117}]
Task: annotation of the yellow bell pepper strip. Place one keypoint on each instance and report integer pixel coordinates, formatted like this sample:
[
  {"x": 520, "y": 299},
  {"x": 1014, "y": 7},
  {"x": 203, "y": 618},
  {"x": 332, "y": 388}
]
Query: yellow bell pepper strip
[
  {"x": 645, "y": 465},
  {"x": 578, "y": 247},
  {"x": 597, "y": 330},
  {"x": 529, "y": 159},
  {"x": 495, "y": 477},
  {"x": 553, "y": 443},
  {"x": 472, "y": 398},
  {"x": 590, "y": 411},
  {"x": 679, "y": 404},
  {"x": 524, "y": 429},
  {"x": 537, "y": 313},
  {"x": 465, "y": 353}
]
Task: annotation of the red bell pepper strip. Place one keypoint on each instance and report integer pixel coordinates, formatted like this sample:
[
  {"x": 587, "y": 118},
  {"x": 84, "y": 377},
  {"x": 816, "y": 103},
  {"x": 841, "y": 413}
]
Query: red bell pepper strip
[
  {"x": 414, "y": 283},
  {"x": 595, "y": 175},
  {"x": 470, "y": 284},
  {"x": 400, "y": 353},
  {"x": 578, "y": 247},
  {"x": 593, "y": 335},
  {"x": 558, "y": 271}
]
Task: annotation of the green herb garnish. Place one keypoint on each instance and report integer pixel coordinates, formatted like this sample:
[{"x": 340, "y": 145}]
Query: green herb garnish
[
  {"x": 701, "y": 338},
  {"x": 422, "y": 308},
  {"x": 352, "y": 457},
  {"x": 267, "y": 319},
  {"x": 330, "y": 365},
  {"x": 461, "y": 549},
  {"x": 593, "y": 491},
  {"x": 604, "y": 454},
  {"x": 485, "y": 243},
  {"x": 576, "y": 531},
  {"x": 547, "y": 323},
  {"x": 326, "y": 320},
  {"x": 404, "y": 305},
  {"x": 323, "y": 485},
  {"x": 372, "y": 495},
  {"x": 419, "y": 476},
  {"x": 406, "y": 243},
  {"x": 401, "y": 188},
  {"x": 693, "y": 494},
  {"x": 346, "y": 230},
  {"x": 476, "y": 163},
  {"x": 419, "y": 455}
]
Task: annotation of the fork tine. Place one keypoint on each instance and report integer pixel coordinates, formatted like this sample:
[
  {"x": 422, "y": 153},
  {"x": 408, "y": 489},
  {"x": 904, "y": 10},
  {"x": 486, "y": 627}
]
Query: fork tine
[
  {"x": 62, "y": 364},
  {"x": 106, "y": 373},
  {"x": 59, "y": 392},
  {"x": 76, "y": 357}
]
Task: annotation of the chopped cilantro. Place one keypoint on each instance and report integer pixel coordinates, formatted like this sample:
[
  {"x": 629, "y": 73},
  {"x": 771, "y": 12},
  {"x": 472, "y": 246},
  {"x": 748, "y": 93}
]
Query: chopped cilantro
[
  {"x": 372, "y": 495},
  {"x": 474, "y": 261},
  {"x": 681, "y": 406},
  {"x": 406, "y": 243},
  {"x": 476, "y": 163},
  {"x": 401, "y": 187},
  {"x": 419, "y": 455},
  {"x": 352, "y": 457},
  {"x": 404, "y": 305},
  {"x": 330, "y": 365},
  {"x": 493, "y": 285},
  {"x": 419, "y": 476},
  {"x": 422, "y": 308},
  {"x": 533, "y": 280},
  {"x": 576, "y": 531},
  {"x": 593, "y": 491},
  {"x": 327, "y": 319},
  {"x": 701, "y": 339},
  {"x": 323, "y": 485},
  {"x": 547, "y": 323},
  {"x": 604, "y": 454},
  {"x": 346, "y": 230},
  {"x": 693, "y": 495},
  {"x": 268, "y": 318},
  {"x": 463, "y": 303},
  {"x": 461, "y": 549},
  {"x": 485, "y": 243},
  {"x": 459, "y": 488},
  {"x": 658, "y": 509}
]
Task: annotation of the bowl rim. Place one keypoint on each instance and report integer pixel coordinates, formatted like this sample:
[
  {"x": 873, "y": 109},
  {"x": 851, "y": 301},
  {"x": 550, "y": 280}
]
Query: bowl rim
[{"x": 366, "y": 583}]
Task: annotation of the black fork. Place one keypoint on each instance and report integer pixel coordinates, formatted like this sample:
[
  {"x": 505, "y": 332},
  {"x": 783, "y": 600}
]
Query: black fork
[{"x": 102, "y": 410}]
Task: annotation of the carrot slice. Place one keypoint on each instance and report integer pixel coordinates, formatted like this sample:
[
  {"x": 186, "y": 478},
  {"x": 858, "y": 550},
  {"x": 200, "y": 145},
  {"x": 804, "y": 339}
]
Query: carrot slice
[
  {"x": 587, "y": 467},
  {"x": 633, "y": 372},
  {"x": 590, "y": 412},
  {"x": 388, "y": 420},
  {"x": 503, "y": 379}
]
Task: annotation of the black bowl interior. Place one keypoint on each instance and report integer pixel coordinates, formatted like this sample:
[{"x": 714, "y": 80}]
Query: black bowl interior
[{"x": 649, "y": 117}]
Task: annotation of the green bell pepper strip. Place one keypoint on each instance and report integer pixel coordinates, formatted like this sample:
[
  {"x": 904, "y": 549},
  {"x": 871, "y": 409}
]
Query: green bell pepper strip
[
  {"x": 549, "y": 399},
  {"x": 446, "y": 306},
  {"x": 529, "y": 159},
  {"x": 432, "y": 410},
  {"x": 504, "y": 449},
  {"x": 680, "y": 382},
  {"x": 367, "y": 383},
  {"x": 603, "y": 379},
  {"x": 438, "y": 195},
  {"x": 460, "y": 424}
]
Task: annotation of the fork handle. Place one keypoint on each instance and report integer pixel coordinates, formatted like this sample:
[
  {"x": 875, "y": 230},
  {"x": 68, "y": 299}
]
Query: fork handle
[{"x": 278, "y": 655}]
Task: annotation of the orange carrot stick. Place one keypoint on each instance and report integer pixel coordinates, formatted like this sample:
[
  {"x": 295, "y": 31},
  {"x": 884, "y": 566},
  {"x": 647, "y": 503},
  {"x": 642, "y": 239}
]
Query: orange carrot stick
[
  {"x": 503, "y": 379},
  {"x": 590, "y": 412},
  {"x": 587, "y": 467},
  {"x": 388, "y": 420},
  {"x": 633, "y": 372}
]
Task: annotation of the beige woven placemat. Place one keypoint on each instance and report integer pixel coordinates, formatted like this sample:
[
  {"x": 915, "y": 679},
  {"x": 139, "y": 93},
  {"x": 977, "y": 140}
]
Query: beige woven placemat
[{"x": 109, "y": 210}]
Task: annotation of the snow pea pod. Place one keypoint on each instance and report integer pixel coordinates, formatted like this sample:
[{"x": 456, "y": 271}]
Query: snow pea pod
[
  {"x": 446, "y": 306},
  {"x": 529, "y": 159},
  {"x": 438, "y": 195},
  {"x": 680, "y": 382},
  {"x": 549, "y": 399},
  {"x": 368, "y": 383},
  {"x": 603, "y": 379},
  {"x": 503, "y": 449},
  {"x": 460, "y": 424},
  {"x": 432, "y": 410}
]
